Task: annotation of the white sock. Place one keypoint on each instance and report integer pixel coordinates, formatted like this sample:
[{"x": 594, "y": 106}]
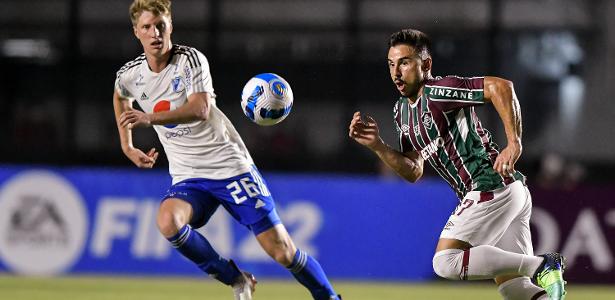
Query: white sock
[
  {"x": 521, "y": 288},
  {"x": 483, "y": 262}
]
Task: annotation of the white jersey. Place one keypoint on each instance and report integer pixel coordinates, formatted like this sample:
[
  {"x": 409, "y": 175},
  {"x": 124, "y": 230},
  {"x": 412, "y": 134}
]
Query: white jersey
[{"x": 209, "y": 149}]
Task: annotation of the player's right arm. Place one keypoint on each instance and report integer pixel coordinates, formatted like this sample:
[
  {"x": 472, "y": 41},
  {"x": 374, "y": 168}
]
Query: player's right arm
[
  {"x": 408, "y": 165},
  {"x": 195, "y": 109},
  {"x": 138, "y": 157}
]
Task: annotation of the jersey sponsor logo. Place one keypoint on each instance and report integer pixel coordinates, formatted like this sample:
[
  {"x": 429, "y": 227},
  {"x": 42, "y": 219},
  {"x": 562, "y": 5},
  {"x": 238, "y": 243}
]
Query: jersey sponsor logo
[
  {"x": 259, "y": 203},
  {"x": 177, "y": 84},
  {"x": 163, "y": 105},
  {"x": 427, "y": 119},
  {"x": 178, "y": 133},
  {"x": 442, "y": 92},
  {"x": 432, "y": 148},
  {"x": 144, "y": 97}
]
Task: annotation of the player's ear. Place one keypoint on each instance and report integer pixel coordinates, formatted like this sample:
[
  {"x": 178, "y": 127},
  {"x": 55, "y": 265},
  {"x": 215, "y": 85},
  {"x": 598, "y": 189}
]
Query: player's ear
[
  {"x": 134, "y": 30},
  {"x": 426, "y": 64}
]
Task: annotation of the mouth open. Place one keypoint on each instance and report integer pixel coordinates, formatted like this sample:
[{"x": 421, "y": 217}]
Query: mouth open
[
  {"x": 400, "y": 84},
  {"x": 156, "y": 44}
]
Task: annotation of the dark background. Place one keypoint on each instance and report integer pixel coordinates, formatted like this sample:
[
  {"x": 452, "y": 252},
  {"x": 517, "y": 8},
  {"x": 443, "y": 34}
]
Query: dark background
[{"x": 59, "y": 58}]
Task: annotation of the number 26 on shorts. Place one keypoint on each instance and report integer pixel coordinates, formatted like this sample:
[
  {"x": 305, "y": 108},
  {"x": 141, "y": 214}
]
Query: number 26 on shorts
[{"x": 243, "y": 184}]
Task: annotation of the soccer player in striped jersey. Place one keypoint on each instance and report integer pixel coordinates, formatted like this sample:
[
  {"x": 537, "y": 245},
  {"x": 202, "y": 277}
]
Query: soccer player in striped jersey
[
  {"x": 208, "y": 160},
  {"x": 488, "y": 234}
]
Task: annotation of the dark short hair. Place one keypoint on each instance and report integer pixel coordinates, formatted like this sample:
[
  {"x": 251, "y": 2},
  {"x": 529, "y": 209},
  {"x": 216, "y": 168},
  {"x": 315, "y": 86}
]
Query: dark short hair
[{"x": 412, "y": 37}]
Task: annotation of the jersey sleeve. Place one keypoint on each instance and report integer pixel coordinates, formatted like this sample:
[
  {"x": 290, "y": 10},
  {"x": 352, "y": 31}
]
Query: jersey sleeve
[
  {"x": 402, "y": 138},
  {"x": 454, "y": 92},
  {"x": 121, "y": 88},
  {"x": 198, "y": 78}
]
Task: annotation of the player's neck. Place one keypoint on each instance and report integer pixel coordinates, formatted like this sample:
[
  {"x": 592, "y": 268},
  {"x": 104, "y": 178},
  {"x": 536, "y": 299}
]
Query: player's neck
[
  {"x": 412, "y": 99},
  {"x": 414, "y": 96},
  {"x": 157, "y": 63}
]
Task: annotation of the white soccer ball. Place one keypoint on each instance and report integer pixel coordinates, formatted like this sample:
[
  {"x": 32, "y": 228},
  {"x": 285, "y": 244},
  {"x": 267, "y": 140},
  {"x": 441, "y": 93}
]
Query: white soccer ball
[{"x": 266, "y": 99}]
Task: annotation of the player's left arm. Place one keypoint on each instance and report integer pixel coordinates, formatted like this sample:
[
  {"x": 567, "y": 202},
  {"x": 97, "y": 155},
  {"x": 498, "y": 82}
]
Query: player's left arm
[
  {"x": 196, "y": 108},
  {"x": 501, "y": 93}
]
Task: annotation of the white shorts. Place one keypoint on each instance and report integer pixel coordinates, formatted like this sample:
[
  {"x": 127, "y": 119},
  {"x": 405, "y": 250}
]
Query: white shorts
[{"x": 499, "y": 218}]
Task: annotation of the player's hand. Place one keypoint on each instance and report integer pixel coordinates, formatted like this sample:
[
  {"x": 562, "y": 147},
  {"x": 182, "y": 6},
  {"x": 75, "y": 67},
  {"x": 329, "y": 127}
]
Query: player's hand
[
  {"x": 134, "y": 118},
  {"x": 366, "y": 132},
  {"x": 505, "y": 162},
  {"x": 141, "y": 159}
]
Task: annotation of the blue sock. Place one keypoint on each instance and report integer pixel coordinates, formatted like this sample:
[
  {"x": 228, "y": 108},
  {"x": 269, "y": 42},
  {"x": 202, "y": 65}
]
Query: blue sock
[
  {"x": 195, "y": 247},
  {"x": 309, "y": 273}
]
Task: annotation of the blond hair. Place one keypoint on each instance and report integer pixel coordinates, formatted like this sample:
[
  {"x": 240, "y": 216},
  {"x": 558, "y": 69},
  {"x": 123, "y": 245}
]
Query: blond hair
[{"x": 157, "y": 7}]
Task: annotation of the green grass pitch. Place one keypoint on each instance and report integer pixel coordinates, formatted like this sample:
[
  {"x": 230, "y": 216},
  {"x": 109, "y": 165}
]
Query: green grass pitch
[{"x": 131, "y": 288}]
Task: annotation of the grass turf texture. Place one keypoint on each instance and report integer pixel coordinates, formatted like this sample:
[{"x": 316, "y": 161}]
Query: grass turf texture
[{"x": 131, "y": 288}]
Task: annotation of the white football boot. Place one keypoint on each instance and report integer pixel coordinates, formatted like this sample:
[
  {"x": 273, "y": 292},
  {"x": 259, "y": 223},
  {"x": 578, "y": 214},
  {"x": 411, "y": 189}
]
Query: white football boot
[{"x": 244, "y": 286}]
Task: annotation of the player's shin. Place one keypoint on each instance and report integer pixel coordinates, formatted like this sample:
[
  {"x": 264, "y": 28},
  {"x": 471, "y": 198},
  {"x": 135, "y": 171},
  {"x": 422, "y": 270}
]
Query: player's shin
[
  {"x": 311, "y": 275},
  {"x": 195, "y": 247}
]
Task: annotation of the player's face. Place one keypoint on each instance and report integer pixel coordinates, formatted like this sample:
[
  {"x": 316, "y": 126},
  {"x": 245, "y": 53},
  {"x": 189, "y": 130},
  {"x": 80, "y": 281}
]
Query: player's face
[
  {"x": 154, "y": 33},
  {"x": 407, "y": 69}
]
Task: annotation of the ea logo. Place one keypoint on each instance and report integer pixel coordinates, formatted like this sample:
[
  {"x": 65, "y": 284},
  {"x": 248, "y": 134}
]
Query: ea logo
[{"x": 43, "y": 222}]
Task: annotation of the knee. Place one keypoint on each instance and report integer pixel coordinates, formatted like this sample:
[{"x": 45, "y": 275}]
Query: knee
[
  {"x": 284, "y": 259},
  {"x": 173, "y": 214},
  {"x": 446, "y": 263},
  {"x": 283, "y": 254},
  {"x": 277, "y": 243},
  {"x": 167, "y": 223},
  {"x": 281, "y": 250}
]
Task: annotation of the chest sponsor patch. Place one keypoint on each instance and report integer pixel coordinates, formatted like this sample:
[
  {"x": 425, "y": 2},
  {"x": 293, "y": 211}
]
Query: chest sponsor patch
[
  {"x": 438, "y": 92},
  {"x": 432, "y": 148}
]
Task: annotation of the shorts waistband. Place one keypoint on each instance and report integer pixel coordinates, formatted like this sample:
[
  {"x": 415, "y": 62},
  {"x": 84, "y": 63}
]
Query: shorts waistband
[{"x": 485, "y": 196}]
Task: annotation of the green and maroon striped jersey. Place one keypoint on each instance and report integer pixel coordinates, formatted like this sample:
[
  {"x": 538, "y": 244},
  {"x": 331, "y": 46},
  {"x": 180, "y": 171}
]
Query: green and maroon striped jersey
[{"x": 444, "y": 128}]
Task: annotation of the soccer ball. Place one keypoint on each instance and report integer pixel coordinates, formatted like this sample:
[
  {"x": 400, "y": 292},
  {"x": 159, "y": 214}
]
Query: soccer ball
[{"x": 267, "y": 99}]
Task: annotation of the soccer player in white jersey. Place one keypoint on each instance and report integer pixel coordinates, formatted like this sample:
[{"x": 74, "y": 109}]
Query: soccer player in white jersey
[
  {"x": 208, "y": 161},
  {"x": 488, "y": 234}
]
